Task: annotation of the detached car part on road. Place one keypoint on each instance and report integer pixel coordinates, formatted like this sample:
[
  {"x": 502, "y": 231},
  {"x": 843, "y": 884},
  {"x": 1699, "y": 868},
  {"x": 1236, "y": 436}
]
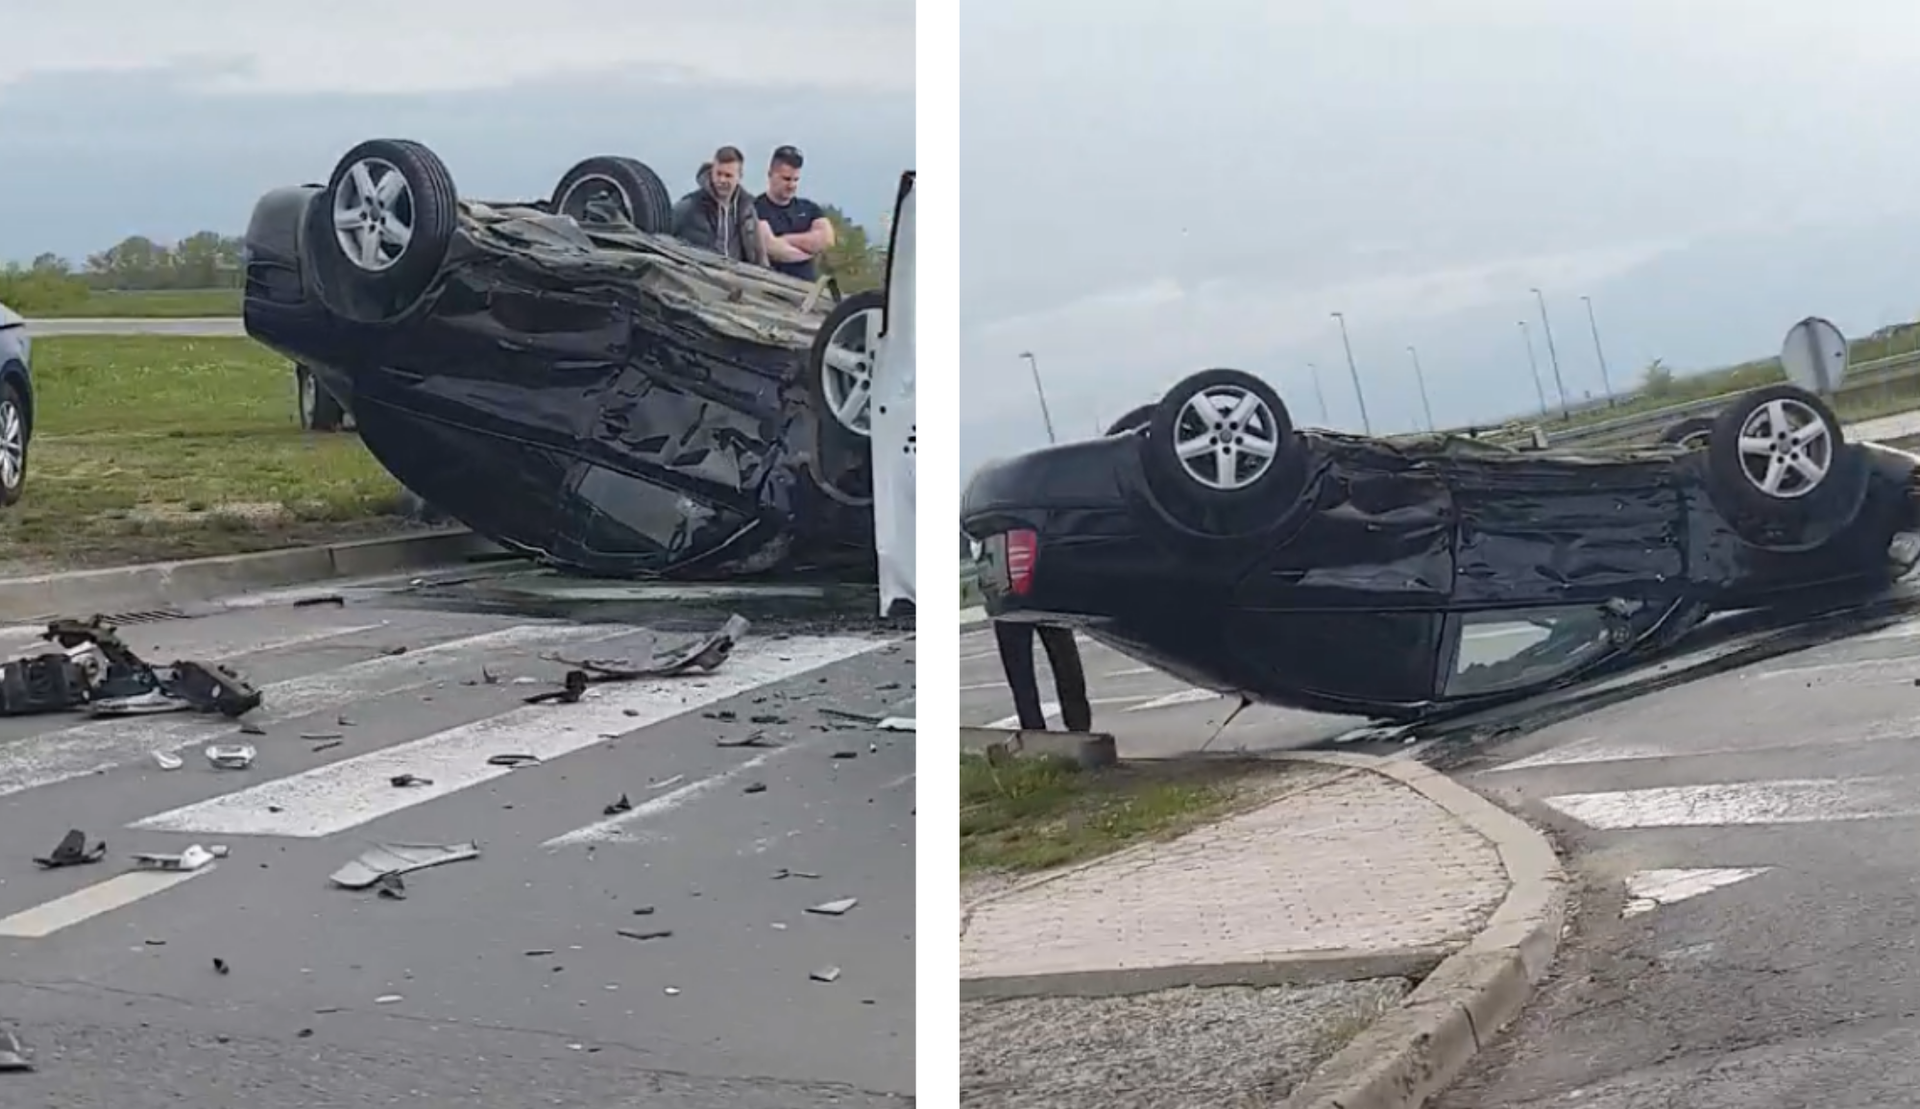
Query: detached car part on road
[
  {"x": 1410, "y": 578},
  {"x": 88, "y": 666},
  {"x": 565, "y": 378},
  {"x": 16, "y": 404}
]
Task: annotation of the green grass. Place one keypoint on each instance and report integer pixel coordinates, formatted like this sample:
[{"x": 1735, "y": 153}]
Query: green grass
[
  {"x": 170, "y": 304},
  {"x": 151, "y": 448},
  {"x": 1035, "y": 813}
]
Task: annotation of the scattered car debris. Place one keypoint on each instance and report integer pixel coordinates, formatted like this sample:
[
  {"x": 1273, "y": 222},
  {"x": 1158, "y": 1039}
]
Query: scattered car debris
[
  {"x": 538, "y": 951},
  {"x": 322, "y": 599},
  {"x": 400, "y": 649},
  {"x": 72, "y": 850},
  {"x": 248, "y": 727},
  {"x": 728, "y": 716},
  {"x": 321, "y": 735},
  {"x": 757, "y": 739},
  {"x": 834, "y": 908},
  {"x": 670, "y": 991},
  {"x": 644, "y": 910},
  {"x": 390, "y": 886},
  {"x": 825, "y": 974},
  {"x": 656, "y": 934},
  {"x": 388, "y": 999},
  {"x": 574, "y": 686},
  {"x": 618, "y": 807},
  {"x": 767, "y": 718},
  {"x": 230, "y": 756},
  {"x": 193, "y": 858},
  {"x": 846, "y": 754},
  {"x": 13, "y": 1053},
  {"x": 220, "y": 965},
  {"x": 515, "y": 760},
  {"x": 754, "y": 787},
  {"x": 703, "y": 655},
  {"x": 883, "y": 723},
  {"x": 344, "y": 721},
  {"x": 167, "y": 760},
  {"x": 783, "y": 872},
  {"x": 327, "y": 746},
  {"x": 409, "y": 781},
  {"x": 399, "y": 858},
  {"x": 94, "y": 669}
]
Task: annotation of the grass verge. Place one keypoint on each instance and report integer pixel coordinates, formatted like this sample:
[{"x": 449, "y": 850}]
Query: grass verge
[
  {"x": 149, "y": 448},
  {"x": 1036, "y": 813},
  {"x": 158, "y": 304}
]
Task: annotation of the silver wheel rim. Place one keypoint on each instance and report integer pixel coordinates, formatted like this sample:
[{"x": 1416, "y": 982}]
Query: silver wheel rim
[
  {"x": 309, "y": 399},
  {"x": 373, "y": 215},
  {"x": 13, "y": 445},
  {"x": 1226, "y": 438},
  {"x": 1785, "y": 450},
  {"x": 848, "y": 378},
  {"x": 600, "y": 185}
]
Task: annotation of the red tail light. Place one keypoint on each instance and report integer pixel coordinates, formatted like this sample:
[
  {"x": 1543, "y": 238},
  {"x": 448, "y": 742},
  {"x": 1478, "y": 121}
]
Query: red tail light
[{"x": 1023, "y": 549}]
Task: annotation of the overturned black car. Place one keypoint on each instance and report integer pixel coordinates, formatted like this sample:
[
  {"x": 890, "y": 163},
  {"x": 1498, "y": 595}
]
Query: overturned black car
[
  {"x": 1413, "y": 578},
  {"x": 565, "y": 379}
]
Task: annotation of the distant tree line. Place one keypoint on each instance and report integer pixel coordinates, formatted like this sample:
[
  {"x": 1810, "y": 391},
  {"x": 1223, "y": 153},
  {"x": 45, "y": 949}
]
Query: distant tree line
[{"x": 210, "y": 260}]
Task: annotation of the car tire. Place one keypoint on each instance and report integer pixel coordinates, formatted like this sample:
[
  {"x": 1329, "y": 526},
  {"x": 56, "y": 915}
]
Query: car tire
[
  {"x": 1197, "y": 492},
  {"x": 1694, "y": 432},
  {"x": 1785, "y": 479},
  {"x": 366, "y": 275},
  {"x": 16, "y": 434},
  {"x": 840, "y": 387},
  {"x": 631, "y": 184},
  {"x": 1132, "y": 421},
  {"x": 319, "y": 410}
]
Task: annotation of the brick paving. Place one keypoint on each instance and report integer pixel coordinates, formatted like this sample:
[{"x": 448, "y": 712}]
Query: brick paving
[{"x": 1358, "y": 863}]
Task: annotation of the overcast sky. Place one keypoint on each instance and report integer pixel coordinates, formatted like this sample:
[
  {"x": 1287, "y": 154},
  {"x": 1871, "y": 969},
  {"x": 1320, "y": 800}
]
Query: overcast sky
[
  {"x": 123, "y": 117},
  {"x": 1156, "y": 188}
]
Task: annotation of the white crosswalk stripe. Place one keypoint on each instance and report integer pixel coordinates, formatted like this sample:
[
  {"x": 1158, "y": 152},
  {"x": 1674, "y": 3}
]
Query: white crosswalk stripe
[
  {"x": 1728, "y": 764},
  {"x": 327, "y": 793}
]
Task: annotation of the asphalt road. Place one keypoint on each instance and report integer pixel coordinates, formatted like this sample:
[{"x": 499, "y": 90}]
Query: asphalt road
[
  {"x": 503, "y": 981},
  {"x": 1749, "y": 893},
  {"x": 184, "y": 328}
]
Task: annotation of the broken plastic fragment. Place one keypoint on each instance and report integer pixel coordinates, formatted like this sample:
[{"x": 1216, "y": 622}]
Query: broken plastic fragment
[
  {"x": 399, "y": 858},
  {"x": 72, "y": 850},
  {"x": 618, "y": 807},
  {"x": 230, "y": 756},
  {"x": 193, "y": 858},
  {"x": 407, "y": 781},
  {"x": 825, "y": 974},
  {"x": 139, "y": 704},
  {"x": 388, "y": 999},
  {"x": 391, "y": 887},
  {"x": 167, "y": 760},
  {"x": 13, "y": 1053},
  {"x": 513, "y": 760},
  {"x": 835, "y": 908}
]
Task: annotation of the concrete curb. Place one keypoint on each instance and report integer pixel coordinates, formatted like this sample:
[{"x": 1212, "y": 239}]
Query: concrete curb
[
  {"x": 157, "y": 584},
  {"x": 1415, "y": 1050}
]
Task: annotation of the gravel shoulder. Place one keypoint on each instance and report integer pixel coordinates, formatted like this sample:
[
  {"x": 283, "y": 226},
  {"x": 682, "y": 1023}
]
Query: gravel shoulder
[{"x": 1176, "y": 1049}]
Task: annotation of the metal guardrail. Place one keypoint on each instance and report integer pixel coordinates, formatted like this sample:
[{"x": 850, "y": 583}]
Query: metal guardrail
[{"x": 1648, "y": 425}]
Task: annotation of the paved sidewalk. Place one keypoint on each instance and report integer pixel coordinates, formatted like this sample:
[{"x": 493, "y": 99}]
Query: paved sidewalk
[{"x": 1364, "y": 877}]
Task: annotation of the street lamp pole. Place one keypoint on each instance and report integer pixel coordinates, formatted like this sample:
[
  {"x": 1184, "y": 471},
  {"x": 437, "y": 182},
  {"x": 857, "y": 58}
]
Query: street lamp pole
[
  {"x": 1534, "y": 365},
  {"x": 1606, "y": 382},
  {"x": 1421, "y": 379},
  {"x": 1366, "y": 425},
  {"x": 1318, "y": 394},
  {"x": 1034, "y": 365},
  {"x": 1552, "y": 355}
]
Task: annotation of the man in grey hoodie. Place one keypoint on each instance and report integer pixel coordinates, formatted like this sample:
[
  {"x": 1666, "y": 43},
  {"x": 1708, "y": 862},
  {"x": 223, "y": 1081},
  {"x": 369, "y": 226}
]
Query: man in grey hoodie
[{"x": 719, "y": 216}]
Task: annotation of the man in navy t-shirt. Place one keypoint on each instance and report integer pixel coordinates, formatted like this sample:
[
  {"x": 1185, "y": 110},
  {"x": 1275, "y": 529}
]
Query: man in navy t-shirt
[{"x": 794, "y": 229}]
